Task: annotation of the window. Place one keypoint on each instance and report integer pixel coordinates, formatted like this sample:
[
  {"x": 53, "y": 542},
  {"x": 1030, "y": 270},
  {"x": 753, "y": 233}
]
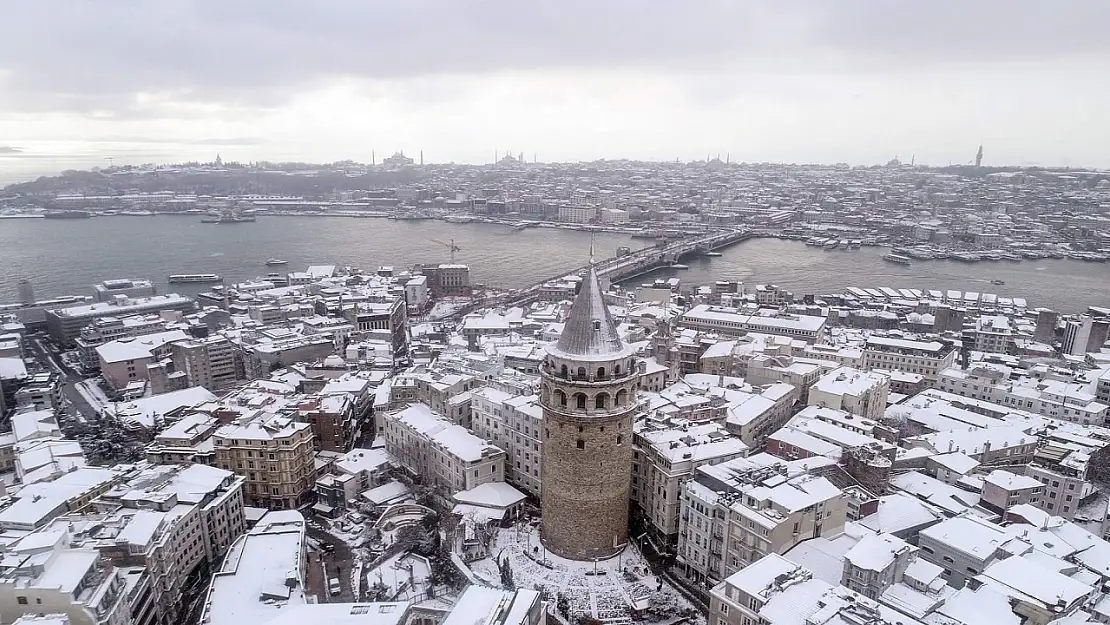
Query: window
[
  {"x": 601, "y": 373},
  {"x": 560, "y": 399},
  {"x": 580, "y": 401},
  {"x": 601, "y": 401},
  {"x": 21, "y": 600},
  {"x": 947, "y": 559},
  {"x": 581, "y": 373},
  {"x": 724, "y": 609},
  {"x": 581, "y": 444},
  {"x": 620, "y": 439}
]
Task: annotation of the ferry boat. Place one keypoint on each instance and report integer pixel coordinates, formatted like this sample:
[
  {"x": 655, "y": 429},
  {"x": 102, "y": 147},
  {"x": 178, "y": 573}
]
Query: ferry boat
[
  {"x": 228, "y": 216},
  {"x": 67, "y": 214},
  {"x": 831, "y": 244},
  {"x": 272, "y": 262},
  {"x": 998, "y": 282},
  {"x": 195, "y": 278},
  {"x": 679, "y": 266},
  {"x": 895, "y": 258}
]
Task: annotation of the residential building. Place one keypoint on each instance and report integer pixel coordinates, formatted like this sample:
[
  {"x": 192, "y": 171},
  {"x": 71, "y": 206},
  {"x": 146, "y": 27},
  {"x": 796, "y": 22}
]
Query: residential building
[
  {"x": 274, "y": 453},
  {"x": 444, "y": 455},
  {"x": 862, "y": 393},
  {"x": 356, "y": 471},
  {"x": 65, "y": 324},
  {"x": 736, "y": 512},
  {"x": 43, "y": 575},
  {"x": 512, "y": 423},
  {"x": 665, "y": 454},
  {"x": 127, "y": 360},
  {"x": 964, "y": 546},
  {"x": 211, "y": 362},
  {"x": 927, "y": 358},
  {"x": 731, "y": 321}
]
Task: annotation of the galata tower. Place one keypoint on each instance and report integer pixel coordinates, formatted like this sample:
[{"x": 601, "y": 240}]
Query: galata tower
[{"x": 588, "y": 397}]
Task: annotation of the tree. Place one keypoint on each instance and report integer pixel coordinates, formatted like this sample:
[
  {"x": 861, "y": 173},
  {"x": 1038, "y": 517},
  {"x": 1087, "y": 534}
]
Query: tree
[{"x": 506, "y": 574}]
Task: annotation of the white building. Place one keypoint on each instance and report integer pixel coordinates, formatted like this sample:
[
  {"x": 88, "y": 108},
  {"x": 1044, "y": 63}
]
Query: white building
[
  {"x": 445, "y": 455},
  {"x": 736, "y": 512},
  {"x": 862, "y": 393},
  {"x": 665, "y": 454},
  {"x": 927, "y": 358}
]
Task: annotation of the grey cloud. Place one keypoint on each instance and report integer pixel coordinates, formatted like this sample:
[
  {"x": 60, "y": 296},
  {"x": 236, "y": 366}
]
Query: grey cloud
[{"x": 93, "y": 57}]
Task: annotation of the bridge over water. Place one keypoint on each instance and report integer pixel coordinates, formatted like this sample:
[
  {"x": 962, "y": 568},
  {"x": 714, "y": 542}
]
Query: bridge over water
[{"x": 615, "y": 269}]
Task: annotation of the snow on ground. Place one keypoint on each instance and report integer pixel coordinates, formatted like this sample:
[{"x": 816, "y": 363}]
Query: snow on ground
[
  {"x": 618, "y": 583},
  {"x": 91, "y": 392},
  {"x": 406, "y": 576}
]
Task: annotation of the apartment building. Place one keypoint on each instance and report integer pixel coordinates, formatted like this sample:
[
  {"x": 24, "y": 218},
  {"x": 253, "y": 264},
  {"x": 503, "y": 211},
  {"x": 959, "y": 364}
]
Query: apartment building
[
  {"x": 211, "y": 362},
  {"x": 188, "y": 440},
  {"x": 44, "y": 575},
  {"x": 127, "y": 360},
  {"x": 776, "y": 591},
  {"x": 927, "y": 358},
  {"x": 446, "y": 456},
  {"x": 273, "y": 453},
  {"x": 1003, "y": 489},
  {"x": 994, "y": 334},
  {"x": 665, "y": 453},
  {"x": 65, "y": 324},
  {"x": 512, "y": 423},
  {"x": 333, "y": 419},
  {"x": 736, "y": 512},
  {"x": 171, "y": 521},
  {"x": 734, "y": 322},
  {"x": 1056, "y": 398},
  {"x": 1062, "y": 472},
  {"x": 107, "y": 329},
  {"x": 354, "y": 472},
  {"x": 388, "y": 317},
  {"x": 964, "y": 546},
  {"x": 862, "y": 393}
]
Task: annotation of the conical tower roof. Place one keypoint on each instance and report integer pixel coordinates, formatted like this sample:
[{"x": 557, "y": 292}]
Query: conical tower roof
[{"x": 589, "y": 333}]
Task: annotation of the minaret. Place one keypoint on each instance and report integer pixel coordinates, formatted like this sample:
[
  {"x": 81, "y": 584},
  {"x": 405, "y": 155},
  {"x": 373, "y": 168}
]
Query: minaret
[
  {"x": 979, "y": 156},
  {"x": 588, "y": 399},
  {"x": 421, "y": 158}
]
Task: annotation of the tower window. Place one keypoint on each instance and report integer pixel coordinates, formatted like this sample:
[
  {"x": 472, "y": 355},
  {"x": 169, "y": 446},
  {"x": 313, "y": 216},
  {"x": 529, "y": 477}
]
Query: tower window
[
  {"x": 601, "y": 401},
  {"x": 616, "y": 369},
  {"x": 581, "y": 373},
  {"x": 580, "y": 401},
  {"x": 620, "y": 438},
  {"x": 601, "y": 373},
  {"x": 597, "y": 324},
  {"x": 581, "y": 444}
]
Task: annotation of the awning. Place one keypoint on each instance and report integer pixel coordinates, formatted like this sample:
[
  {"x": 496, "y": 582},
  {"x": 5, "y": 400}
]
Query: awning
[{"x": 323, "y": 508}]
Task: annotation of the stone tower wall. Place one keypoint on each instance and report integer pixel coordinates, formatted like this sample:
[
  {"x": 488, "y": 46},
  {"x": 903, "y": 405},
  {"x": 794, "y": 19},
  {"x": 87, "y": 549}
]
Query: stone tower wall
[
  {"x": 587, "y": 460},
  {"x": 585, "y": 494}
]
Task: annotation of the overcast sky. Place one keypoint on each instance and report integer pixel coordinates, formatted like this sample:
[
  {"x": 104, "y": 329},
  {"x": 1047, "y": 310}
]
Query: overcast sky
[{"x": 805, "y": 80}]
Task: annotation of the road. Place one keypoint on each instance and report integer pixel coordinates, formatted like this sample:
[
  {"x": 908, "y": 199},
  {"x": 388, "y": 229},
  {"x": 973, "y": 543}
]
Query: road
[
  {"x": 338, "y": 564},
  {"x": 70, "y": 377}
]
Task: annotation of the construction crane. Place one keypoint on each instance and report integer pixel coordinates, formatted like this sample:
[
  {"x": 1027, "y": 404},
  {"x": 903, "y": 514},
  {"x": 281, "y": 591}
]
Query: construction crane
[{"x": 451, "y": 246}]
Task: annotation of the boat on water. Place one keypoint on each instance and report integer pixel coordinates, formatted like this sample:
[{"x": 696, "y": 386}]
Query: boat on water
[
  {"x": 273, "y": 262},
  {"x": 714, "y": 254},
  {"x": 679, "y": 266},
  {"x": 831, "y": 244},
  {"x": 997, "y": 282},
  {"x": 194, "y": 278},
  {"x": 895, "y": 258},
  {"x": 67, "y": 214},
  {"x": 228, "y": 216}
]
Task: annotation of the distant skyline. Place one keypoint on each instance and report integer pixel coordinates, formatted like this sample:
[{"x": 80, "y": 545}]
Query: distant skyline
[{"x": 856, "y": 81}]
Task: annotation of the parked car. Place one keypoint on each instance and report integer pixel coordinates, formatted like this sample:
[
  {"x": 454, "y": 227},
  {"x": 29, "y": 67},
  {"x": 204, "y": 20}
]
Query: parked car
[{"x": 333, "y": 586}]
